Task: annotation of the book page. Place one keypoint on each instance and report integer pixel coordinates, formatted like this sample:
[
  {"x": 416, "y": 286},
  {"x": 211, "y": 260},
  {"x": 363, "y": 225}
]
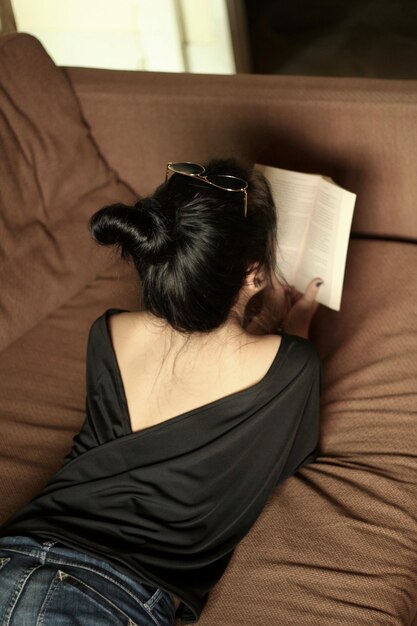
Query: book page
[
  {"x": 294, "y": 195},
  {"x": 325, "y": 246}
]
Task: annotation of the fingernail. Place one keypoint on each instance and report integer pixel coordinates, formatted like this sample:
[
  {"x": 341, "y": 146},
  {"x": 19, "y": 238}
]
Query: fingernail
[{"x": 319, "y": 282}]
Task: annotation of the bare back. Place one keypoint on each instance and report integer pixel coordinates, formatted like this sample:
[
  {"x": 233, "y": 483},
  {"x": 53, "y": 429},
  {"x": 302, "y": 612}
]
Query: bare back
[{"x": 160, "y": 383}]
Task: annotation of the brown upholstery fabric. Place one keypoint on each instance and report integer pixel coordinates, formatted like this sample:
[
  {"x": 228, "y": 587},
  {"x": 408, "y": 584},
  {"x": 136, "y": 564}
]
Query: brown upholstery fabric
[
  {"x": 336, "y": 543},
  {"x": 362, "y": 132},
  {"x": 52, "y": 178}
]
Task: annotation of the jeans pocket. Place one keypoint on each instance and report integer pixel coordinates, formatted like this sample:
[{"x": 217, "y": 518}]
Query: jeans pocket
[{"x": 71, "y": 598}]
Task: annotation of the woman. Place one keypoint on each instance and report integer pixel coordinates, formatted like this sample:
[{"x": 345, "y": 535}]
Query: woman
[{"x": 197, "y": 407}]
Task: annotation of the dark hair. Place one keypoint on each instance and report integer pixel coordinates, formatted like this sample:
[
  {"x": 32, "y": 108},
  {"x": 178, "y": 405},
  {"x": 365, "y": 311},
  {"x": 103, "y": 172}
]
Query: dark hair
[{"x": 192, "y": 245}]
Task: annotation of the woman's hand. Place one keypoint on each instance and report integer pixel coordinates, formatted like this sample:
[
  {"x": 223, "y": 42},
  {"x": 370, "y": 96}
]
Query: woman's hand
[
  {"x": 301, "y": 309},
  {"x": 280, "y": 307}
]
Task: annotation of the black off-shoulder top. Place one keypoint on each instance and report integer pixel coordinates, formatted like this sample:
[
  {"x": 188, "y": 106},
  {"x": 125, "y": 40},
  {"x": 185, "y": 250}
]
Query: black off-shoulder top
[{"x": 168, "y": 504}]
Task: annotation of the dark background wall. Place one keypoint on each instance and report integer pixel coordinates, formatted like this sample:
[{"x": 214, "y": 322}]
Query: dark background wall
[{"x": 374, "y": 38}]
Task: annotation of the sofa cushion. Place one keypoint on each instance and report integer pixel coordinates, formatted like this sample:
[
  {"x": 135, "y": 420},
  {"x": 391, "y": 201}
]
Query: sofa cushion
[
  {"x": 336, "y": 542},
  {"x": 52, "y": 178}
]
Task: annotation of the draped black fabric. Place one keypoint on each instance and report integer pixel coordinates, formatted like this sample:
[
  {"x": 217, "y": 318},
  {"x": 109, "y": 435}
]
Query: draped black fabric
[{"x": 168, "y": 504}]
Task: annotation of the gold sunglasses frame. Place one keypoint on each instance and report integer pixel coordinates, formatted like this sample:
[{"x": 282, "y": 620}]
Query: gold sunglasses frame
[{"x": 205, "y": 179}]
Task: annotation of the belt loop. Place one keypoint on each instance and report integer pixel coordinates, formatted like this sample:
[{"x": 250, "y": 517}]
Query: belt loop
[{"x": 46, "y": 546}]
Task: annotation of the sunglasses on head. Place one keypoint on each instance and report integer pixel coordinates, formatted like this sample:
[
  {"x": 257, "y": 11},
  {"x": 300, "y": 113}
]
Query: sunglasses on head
[{"x": 221, "y": 181}]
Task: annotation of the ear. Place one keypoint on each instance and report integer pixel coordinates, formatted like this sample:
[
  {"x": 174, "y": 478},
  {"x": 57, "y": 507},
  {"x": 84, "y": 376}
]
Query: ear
[{"x": 256, "y": 277}]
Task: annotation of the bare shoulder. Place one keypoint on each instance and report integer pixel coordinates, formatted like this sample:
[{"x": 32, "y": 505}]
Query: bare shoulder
[
  {"x": 130, "y": 328},
  {"x": 267, "y": 345},
  {"x": 140, "y": 350},
  {"x": 126, "y": 319},
  {"x": 125, "y": 327}
]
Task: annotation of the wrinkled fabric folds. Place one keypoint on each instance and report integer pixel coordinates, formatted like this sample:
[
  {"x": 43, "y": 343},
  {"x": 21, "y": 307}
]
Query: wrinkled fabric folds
[{"x": 168, "y": 504}]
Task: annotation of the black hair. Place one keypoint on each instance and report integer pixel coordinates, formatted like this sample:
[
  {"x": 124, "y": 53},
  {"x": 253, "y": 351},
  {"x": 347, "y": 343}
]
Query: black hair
[{"x": 191, "y": 244}]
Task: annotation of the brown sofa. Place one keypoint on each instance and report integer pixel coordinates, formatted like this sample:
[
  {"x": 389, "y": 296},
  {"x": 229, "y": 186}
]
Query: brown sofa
[{"x": 337, "y": 542}]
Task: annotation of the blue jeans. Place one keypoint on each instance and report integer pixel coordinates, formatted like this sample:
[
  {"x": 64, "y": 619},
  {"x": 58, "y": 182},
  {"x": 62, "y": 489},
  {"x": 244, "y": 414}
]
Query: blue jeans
[{"x": 45, "y": 583}]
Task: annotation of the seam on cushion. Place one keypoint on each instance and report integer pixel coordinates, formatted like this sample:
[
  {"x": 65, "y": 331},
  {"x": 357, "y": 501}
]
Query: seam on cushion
[{"x": 387, "y": 238}]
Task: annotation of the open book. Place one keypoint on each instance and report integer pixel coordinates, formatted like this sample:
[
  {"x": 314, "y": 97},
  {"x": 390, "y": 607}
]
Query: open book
[{"x": 314, "y": 221}]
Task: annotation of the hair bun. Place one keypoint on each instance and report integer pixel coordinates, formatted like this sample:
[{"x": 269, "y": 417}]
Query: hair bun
[{"x": 141, "y": 230}]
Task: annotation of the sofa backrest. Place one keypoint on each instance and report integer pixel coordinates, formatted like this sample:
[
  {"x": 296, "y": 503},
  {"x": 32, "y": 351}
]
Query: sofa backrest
[{"x": 361, "y": 132}]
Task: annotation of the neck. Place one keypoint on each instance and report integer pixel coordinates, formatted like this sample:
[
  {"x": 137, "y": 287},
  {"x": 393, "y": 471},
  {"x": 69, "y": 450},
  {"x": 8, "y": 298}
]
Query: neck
[{"x": 230, "y": 333}]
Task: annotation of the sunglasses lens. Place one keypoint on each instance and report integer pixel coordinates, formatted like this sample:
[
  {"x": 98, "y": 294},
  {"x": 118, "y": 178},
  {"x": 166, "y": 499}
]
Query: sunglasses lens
[
  {"x": 228, "y": 182},
  {"x": 186, "y": 168}
]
